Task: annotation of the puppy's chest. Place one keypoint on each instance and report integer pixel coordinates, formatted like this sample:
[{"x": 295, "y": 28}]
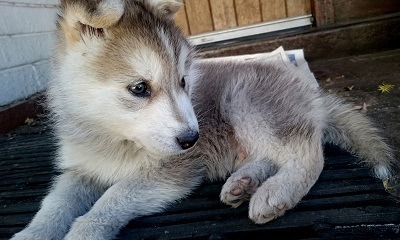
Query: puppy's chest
[
  {"x": 105, "y": 170},
  {"x": 219, "y": 150}
]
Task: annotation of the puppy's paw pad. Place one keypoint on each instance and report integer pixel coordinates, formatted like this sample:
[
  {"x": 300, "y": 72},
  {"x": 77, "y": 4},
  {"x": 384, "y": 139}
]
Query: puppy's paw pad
[
  {"x": 267, "y": 204},
  {"x": 238, "y": 189},
  {"x": 250, "y": 184},
  {"x": 245, "y": 181},
  {"x": 236, "y": 192},
  {"x": 232, "y": 195},
  {"x": 280, "y": 207},
  {"x": 266, "y": 213}
]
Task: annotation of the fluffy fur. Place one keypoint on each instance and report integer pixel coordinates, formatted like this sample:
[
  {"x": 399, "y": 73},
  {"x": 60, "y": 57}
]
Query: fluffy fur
[{"x": 119, "y": 155}]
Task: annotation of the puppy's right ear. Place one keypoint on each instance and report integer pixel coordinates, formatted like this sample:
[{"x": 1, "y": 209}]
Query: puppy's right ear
[
  {"x": 166, "y": 8},
  {"x": 88, "y": 17}
]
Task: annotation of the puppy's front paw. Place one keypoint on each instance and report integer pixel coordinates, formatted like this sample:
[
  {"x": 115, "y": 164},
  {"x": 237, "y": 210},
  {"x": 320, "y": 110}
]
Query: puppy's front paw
[
  {"x": 239, "y": 188},
  {"x": 269, "y": 202}
]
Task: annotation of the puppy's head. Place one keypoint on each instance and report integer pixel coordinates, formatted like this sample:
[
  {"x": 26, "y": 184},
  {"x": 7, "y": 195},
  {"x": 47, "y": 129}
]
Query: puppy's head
[{"x": 124, "y": 69}]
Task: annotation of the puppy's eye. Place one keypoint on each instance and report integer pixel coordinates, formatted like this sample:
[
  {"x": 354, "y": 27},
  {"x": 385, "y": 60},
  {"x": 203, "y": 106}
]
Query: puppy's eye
[
  {"x": 183, "y": 82},
  {"x": 140, "y": 89}
]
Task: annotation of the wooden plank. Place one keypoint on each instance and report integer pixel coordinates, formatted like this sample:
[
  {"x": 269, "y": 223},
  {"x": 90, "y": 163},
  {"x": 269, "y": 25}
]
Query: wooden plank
[
  {"x": 191, "y": 213},
  {"x": 247, "y": 12},
  {"x": 362, "y": 38},
  {"x": 338, "y": 11},
  {"x": 199, "y": 16},
  {"x": 298, "y": 7},
  {"x": 344, "y": 196},
  {"x": 324, "y": 12},
  {"x": 273, "y": 9},
  {"x": 15, "y": 115},
  {"x": 181, "y": 21},
  {"x": 186, "y": 228},
  {"x": 346, "y": 10},
  {"x": 223, "y": 14},
  {"x": 251, "y": 30}
]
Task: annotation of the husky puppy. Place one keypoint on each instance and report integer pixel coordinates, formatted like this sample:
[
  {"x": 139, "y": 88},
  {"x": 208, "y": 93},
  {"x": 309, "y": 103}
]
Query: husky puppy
[{"x": 129, "y": 104}]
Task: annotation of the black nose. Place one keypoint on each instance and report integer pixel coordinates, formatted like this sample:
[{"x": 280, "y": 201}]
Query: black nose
[{"x": 188, "y": 139}]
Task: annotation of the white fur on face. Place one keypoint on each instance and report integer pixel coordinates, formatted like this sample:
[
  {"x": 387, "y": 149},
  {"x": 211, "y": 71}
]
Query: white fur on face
[
  {"x": 147, "y": 64},
  {"x": 166, "y": 7},
  {"x": 111, "y": 6},
  {"x": 154, "y": 123},
  {"x": 170, "y": 112},
  {"x": 182, "y": 101},
  {"x": 185, "y": 108},
  {"x": 157, "y": 128},
  {"x": 167, "y": 45},
  {"x": 183, "y": 55}
]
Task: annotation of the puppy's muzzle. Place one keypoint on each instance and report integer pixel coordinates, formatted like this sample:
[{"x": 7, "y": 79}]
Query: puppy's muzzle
[{"x": 188, "y": 139}]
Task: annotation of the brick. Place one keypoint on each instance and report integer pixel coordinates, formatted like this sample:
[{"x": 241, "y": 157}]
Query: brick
[
  {"x": 36, "y": 2},
  {"x": 21, "y": 20},
  {"x": 21, "y": 82},
  {"x": 25, "y": 49}
]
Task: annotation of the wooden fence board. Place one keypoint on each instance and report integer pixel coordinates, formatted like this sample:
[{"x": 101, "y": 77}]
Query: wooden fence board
[
  {"x": 346, "y": 10},
  {"x": 223, "y": 14},
  {"x": 181, "y": 21},
  {"x": 199, "y": 16},
  {"x": 324, "y": 12},
  {"x": 273, "y": 9},
  {"x": 248, "y": 12},
  {"x": 298, "y": 7}
]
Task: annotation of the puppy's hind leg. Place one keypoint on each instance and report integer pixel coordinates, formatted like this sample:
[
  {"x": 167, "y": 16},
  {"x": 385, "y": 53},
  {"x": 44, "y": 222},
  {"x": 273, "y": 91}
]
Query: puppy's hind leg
[
  {"x": 243, "y": 183},
  {"x": 285, "y": 189},
  {"x": 70, "y": 197}
]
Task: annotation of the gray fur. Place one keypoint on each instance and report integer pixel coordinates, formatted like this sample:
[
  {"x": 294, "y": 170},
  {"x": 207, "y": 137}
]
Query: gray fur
[
  {"x": 263, "y": 124},
  {"x": 354, "y": 132}
]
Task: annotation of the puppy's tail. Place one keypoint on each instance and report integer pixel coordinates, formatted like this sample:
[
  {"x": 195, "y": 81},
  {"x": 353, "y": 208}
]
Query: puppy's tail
[{"x": 354, "y": 132}]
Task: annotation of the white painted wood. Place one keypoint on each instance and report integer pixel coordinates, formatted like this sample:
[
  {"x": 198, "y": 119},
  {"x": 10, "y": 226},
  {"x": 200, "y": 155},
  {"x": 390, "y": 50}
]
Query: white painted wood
[{"x": 255, "y": 29}]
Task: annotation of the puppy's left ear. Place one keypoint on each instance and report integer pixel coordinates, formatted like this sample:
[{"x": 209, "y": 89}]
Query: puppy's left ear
[{"x": 166, "y": 8}]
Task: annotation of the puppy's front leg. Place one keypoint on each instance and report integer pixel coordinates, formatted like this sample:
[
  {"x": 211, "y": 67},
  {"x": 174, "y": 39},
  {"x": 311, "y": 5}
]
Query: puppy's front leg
[
  {"x": 70, "y": 197},
  {"x": 286, "y": 188},
  {"x": 243, "y": 183},
  {"x": 124, "y": 201}
]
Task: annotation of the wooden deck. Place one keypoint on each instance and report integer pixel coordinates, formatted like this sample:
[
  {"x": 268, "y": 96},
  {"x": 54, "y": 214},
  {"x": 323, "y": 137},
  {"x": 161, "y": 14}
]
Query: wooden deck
[{"x": 345, "y": 203}]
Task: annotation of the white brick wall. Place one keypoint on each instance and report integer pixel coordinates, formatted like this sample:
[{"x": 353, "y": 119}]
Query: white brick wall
[{"x": 26, "y": 42}]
